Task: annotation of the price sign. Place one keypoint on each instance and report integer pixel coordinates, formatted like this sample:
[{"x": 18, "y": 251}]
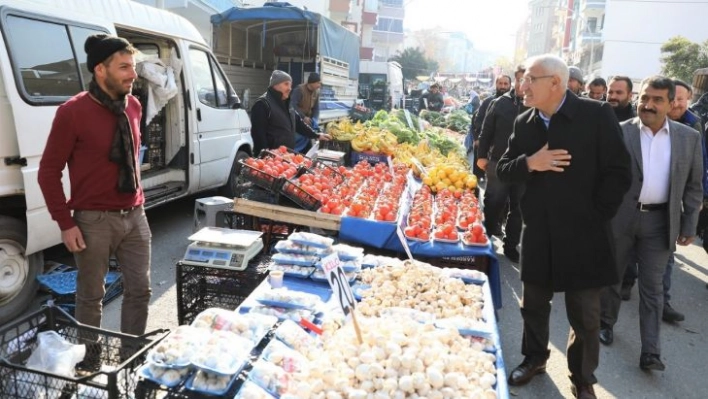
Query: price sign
[
  {"x": 390, "y": 166},
  {"x": 407, "y": 113},
  {"x": 404, "y": 242},
  {"x": 339, "y": 283},
  {"x": 341, "y": 289}
]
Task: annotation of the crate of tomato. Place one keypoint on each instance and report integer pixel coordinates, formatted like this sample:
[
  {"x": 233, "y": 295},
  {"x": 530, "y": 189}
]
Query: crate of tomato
[{"x": 311, "y": 186}]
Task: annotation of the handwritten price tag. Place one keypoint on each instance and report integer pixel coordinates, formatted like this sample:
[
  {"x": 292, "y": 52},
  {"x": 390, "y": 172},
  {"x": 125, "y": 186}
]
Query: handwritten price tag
[
  {"x": 410, "y": 120},
  {"x": 404, "y": 242},
  {"x": 339, "y": 283}
]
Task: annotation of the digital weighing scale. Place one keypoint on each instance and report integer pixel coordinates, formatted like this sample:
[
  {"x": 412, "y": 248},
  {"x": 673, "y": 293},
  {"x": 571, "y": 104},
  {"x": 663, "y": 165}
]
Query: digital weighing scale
[{"x": 223, "y": 248}]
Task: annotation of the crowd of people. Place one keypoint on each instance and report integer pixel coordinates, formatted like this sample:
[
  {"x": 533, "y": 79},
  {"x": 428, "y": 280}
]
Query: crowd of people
[
  {"x": 591, "y": 185},
  {"x": 588, "y": 186}
]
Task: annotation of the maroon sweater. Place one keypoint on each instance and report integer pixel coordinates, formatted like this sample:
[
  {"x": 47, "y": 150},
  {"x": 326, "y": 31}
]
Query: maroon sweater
[{"x": 81, "y": 137}]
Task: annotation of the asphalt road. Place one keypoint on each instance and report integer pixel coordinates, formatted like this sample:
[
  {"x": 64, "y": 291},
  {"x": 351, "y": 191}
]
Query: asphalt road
[{"x": 685, "y": 345}]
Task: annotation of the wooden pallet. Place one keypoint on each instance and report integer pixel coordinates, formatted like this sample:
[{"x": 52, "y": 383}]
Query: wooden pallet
[{"x": 286, "y": 214}]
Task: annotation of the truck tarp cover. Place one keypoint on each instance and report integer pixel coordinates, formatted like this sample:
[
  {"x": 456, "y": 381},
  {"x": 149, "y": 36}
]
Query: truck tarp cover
[{"x": 335, "y": 41}]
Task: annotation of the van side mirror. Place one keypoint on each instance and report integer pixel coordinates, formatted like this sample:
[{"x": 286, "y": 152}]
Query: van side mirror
[{"x": 234, "y": 102}]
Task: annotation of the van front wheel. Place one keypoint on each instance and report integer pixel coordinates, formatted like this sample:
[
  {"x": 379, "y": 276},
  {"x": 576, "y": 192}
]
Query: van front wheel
[
  {"x": 230, "y": 189},
  {"x": 18, "y": 271}
]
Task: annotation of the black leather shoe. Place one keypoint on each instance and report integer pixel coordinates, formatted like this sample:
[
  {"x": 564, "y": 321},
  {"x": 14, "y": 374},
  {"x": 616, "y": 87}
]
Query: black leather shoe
[
  {"x": 607, "y": 336},
  {"x": 512, "y": 254},
  {"x": 650, "y": 361},
  {"x": 524, "y": 372},
  {"x": 626, "y": 292},
  {"x": 670, "y": 315},
  {"x": 583, "y": 391}
]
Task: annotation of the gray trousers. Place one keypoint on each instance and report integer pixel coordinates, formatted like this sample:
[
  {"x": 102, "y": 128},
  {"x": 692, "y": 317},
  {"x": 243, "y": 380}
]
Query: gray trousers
[
  {"x": 127, "y": 236},
  {"x": 647, "y": 236}
]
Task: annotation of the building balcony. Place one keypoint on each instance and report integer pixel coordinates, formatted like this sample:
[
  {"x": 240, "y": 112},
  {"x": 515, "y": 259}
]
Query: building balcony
[
  {"x": 379, "y": 36},
  {"x": 366, "y": 53},
  {"x": 339, "y": 6},
  {"x": 586, "y": 5},
  {"x": 369, "y": 18},
  {"x": 391, "y": 3},
  {"x": 589, "y": 37}
]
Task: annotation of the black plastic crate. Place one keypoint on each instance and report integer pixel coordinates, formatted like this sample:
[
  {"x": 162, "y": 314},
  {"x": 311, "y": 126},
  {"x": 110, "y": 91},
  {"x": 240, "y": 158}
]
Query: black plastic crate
[
  {"x": 120, "y": 353},
  {"x": 257, "y": 177},
  {"x": 300, "y": 197},
  {"x": 201, "y": 287}
]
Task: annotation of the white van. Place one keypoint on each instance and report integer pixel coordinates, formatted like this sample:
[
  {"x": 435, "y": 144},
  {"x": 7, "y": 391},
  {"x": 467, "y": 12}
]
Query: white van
[
  {"x": 386, "y": 73},
  {"x": 191, "y": 145}
]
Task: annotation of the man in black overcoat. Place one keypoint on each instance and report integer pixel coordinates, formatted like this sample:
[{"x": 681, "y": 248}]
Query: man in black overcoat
[{"x": 570, "y": 154}]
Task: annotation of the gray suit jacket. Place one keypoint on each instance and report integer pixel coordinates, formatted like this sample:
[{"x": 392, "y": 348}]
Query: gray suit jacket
[{"x": 686, "y": 190}]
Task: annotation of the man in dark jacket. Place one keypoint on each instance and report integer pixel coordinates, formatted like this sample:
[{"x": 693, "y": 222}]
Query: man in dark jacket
[
  {"x": 502, "y": 84},
  {"x": 432, "y": 100},
  {"x": 597, "y": 89},
  {"x": 619, "y": 96},
  {"x": 273, "y": 121},
  {"x": 305, "y": 100},
  {"x": 569, "y": 153},
  {"x": 496, "y": 129}
]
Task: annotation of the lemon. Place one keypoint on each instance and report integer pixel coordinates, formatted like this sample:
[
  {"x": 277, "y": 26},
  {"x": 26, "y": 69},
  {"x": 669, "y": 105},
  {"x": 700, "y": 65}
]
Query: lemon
[
  {"x": 471, "y": 182},
  {"x": 428, "y": 181},
  {"x": 454, "y": 176}
]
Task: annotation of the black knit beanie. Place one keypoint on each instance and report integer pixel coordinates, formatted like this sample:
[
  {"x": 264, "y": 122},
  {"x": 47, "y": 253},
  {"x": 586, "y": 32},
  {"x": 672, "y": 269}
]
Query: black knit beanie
[
  {"x": 100, "y": 46},
  {"x": 314, "y": 78}
]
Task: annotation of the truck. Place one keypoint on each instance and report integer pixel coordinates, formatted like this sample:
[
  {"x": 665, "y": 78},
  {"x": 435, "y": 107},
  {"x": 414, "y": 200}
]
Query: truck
[
  {"x": 191, "y": 144},
  {"x": 381, "y": 84},
  {"x": 252, "y": 42}
]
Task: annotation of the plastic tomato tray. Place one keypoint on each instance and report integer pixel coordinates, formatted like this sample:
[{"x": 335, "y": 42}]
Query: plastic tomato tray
[{"x": 103, "y": 348}]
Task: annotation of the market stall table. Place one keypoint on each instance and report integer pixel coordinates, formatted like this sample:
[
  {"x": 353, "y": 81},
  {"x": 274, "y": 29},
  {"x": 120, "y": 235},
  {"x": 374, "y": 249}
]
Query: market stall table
[{"x": 148, "y": 389}]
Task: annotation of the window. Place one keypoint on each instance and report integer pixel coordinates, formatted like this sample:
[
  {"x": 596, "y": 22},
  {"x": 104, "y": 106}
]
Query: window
[
  {"x": 592, "y": 25},
  {"x": 209, "y": 83},
  {"x": 391, "y": 3},
  {"x": 389, "y": 25},
  {"x": 48, "y": 58}
]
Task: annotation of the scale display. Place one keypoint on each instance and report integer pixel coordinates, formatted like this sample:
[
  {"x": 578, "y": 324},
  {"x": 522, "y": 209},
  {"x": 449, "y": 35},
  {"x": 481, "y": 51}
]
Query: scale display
[{"x": 223, "y": 248}]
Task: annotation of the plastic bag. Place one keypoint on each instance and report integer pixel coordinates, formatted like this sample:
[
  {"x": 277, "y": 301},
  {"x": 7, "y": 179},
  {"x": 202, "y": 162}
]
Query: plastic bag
[{"x": 55, "y": 354}]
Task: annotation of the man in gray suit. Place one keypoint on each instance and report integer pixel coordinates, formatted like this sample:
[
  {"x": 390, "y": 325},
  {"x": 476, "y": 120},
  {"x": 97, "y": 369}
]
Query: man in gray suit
[{"x": 659, "y": 211}]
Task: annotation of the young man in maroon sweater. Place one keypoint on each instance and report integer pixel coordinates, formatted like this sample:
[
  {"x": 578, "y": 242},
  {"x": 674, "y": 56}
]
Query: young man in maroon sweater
[{"x": 97, "y": 134}]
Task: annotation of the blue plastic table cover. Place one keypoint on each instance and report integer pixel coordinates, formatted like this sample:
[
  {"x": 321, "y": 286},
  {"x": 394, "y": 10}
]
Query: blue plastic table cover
[{"x": 384, "y": 236}]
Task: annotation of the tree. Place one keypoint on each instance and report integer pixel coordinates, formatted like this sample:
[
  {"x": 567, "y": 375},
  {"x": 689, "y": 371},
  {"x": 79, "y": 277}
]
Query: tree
[
  {"x": 506, "y": 66},
  {"x": 414, "y": 63},
  {"x": 681, "y": 57}
]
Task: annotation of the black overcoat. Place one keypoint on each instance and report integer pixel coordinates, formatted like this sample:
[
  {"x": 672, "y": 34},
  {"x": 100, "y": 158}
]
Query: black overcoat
[{"x": 566, "y": 242}]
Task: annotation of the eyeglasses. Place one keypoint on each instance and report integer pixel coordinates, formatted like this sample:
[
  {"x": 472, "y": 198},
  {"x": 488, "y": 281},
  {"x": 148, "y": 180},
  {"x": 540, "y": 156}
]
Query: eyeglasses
[{"x": 532, "y": 79}]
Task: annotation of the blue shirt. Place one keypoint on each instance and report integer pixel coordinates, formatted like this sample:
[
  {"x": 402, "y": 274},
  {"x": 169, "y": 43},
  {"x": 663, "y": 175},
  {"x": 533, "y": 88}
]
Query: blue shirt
[{"x": 547, "y": 119}]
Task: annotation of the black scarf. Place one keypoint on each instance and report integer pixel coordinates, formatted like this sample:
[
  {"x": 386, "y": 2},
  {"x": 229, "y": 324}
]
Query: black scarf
[{"x": 122, "y": 149}]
